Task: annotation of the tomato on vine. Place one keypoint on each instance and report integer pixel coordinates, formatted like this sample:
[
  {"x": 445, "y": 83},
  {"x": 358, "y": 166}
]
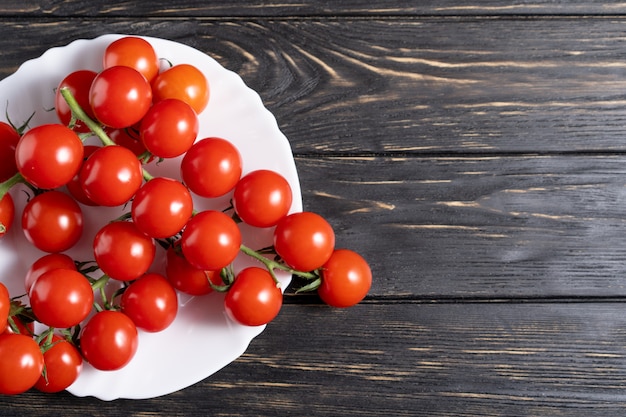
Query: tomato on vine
[
  {"x": 111, "y": 176},
  {"x": 5, "y": 307},
  {"x": 74, "y": 186},
  {"x": 262, "y": 197},
  {"x": 63, "y": 364},
  {"x": 49, "y": 155},
  {"x": 254, "y": 298},
  {"x": 169, "y": 128},
  {"x": 122, "y": 251},
  {"x": 211, "y": 167},
  {"x": 21, "y": 363},
  {"x": 134, "y": 52},
  {"x": 61, "y": 287},
  {"x": 304, "y": 240},
  {"x": 7, "y": 213},
  {"x": 346, "y": 279},
  {"x": 47, "y": 263},
  {"x": 161, "y": 207},
  {"x": 120, "y": 96},
  {"x": 109, "y": 340},
  {"x": 187, "y": 278},
  {"x": 211, "y": 240},
  {"x": 150, "y": 302},
  {"x": 79, "y": 83},
  {"x": 184, "y": 82},
  {"x": 8, "y": 142},
  {"x": 52, "y": 221}
]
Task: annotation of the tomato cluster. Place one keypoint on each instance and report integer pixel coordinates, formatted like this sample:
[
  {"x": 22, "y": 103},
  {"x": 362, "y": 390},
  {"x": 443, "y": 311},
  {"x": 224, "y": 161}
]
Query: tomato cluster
[{"x": 93, "y": 310}]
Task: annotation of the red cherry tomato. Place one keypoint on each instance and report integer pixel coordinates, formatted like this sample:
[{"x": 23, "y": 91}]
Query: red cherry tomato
[
  {"x": 133, "y": 52},
  {"x": 211, "y": 240},
  {"x": 150, "y": 302},
  {"x": 61, "y": 298},
  {"x": 120, "y": 96},
  {"x": 8, "y": 142},
  {"x": 52, "y": 221},
  {"x": 5, "y": 307},
  {"x": 49, "y": 155},
  {"x": 111, "y": 176},
  {"x": 169, "y": 128},
  {"x": 74, "y": 187},
  {"x": 184, "y": 82},
  {"x": 7, "y": 213},
  {"x": 21, "y": 363},
  {"x": 187, "y": 278},
  {"x": 128, "y": 138},
  {"x": 109, "y": 340},
  {"x": 78, "y": 83},
  {"x": 63, "y": 364},
  {"x": 47, "y": 263},
  {"x": 161, "y": 207},
  {"x": 211, "y": 167},
  {"x": 254, "y": 298},
  {"x": 261, "y": 198},
  {"x": 122, "y": 251},
  {"x": 346, "y": 279},
  {"x": 304, "y": 240},
  {"x": 23, "y": 326}
]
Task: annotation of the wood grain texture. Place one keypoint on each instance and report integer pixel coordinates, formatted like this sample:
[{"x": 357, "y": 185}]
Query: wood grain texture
[
  {"x": 291, "y": 8},
  {"x": 478, "y": 360},
  {"x": 473, "y": 152},
  {"x": 507, "y": 226},
  {"x": 427, "y": 86}
]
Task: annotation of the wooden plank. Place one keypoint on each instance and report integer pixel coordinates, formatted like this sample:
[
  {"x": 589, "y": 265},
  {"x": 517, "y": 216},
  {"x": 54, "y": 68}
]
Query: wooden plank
[
  {"x": 494, "y": 226},
  {"x": 291, "y": 8},
  {"x": 486, "y": 359},
  {"x": 403, "y": 86}
]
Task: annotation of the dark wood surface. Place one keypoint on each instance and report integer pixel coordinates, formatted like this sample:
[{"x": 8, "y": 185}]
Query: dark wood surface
[{"x": 473, "y": 152}]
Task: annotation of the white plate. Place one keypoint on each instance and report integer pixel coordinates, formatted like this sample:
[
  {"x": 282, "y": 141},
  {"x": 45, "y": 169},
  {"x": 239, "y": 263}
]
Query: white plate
[{"x": 202, "y": 339}]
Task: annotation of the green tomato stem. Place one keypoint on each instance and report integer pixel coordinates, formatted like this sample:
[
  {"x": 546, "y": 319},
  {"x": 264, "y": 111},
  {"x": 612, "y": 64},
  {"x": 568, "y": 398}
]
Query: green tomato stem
[
  {"x": 80, "y": 114},
  {"x": 95, "y": 127},
  {"x": 271, "y": 265}
]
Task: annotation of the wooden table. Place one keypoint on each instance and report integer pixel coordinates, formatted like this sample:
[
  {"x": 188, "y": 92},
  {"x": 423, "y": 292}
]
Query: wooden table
[{"x": 473, "y": 152}]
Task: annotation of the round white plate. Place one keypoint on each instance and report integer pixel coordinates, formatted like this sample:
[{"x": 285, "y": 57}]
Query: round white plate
[{"x": 202, "y": 339}]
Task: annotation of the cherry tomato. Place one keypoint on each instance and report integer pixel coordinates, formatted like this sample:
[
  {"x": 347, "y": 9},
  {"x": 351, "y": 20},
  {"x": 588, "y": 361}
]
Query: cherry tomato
[
  {"x": 169, "y": 128},
  {"x": 49, "y": 155},
  {"x": 304, "y": 240},
  {"x": 63, "y": 364},
  {"x": 120, "y": 96},
  {"x": 184, "y": 82},
  {"x": 8, "y": 142},
  {"x": 187, "y": 278},
  {"x": 61, "y": 298},
  {"x": 254, "y": 298},
  {"x": 133, "y": 52},
  {"x": 261, "y": 198},
  {"x": 211, "y": 240},
  {"x": 211, "y": 167},
  {"x": 161, "y": 207},
  {"x": 128, "y": 138},
  {"x": 47, "y": 263},
  {"x": 150, "y": 302},
  {"x": 74, "y": 187},
  {"x": 21, "y": 363},
  {"x": 122, "y": 251},
  {"x": 109, "y": 340},
  {"x": 111, "y": 176},
  {"x": 5, "y": 307},
  {"x": 7, "y": 213},
  {"x": 78, "y": 83},
  {"x": 23, "y": 326},
  {"x": 346, "y": 279},
  {"x": 52, "y": 221}
]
